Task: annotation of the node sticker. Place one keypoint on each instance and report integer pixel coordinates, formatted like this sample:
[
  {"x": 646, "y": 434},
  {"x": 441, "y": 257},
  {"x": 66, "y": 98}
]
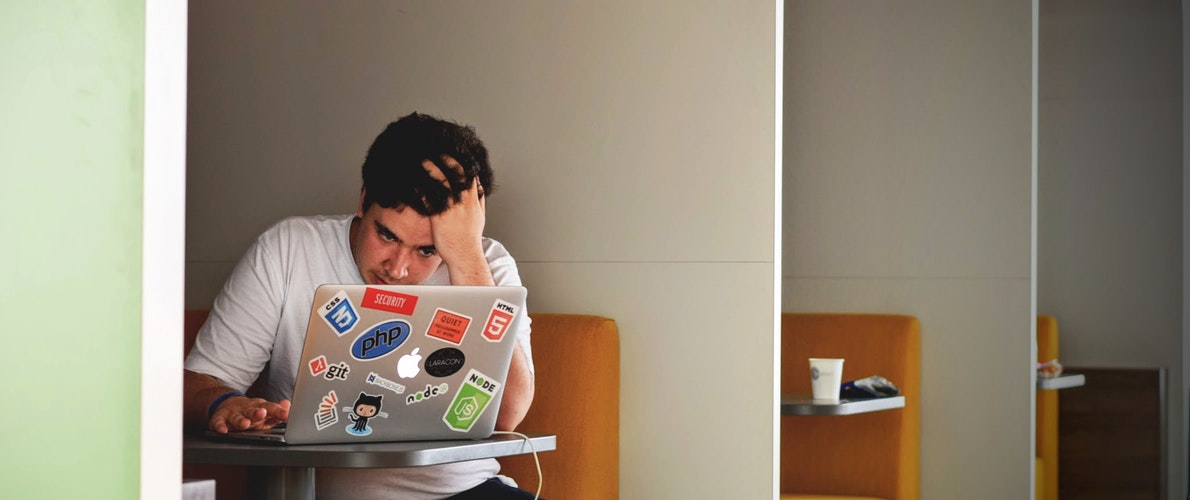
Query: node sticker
[
  {"x": 327, "y": 415},
  {"x": 339, "y": 314},
  {"x": 498, "y": 320},
  {"x": 432, "y": 391},
  {"x": 400, "y": 303},
  {"x": 470, "y": 401},
  {"x": 449, "y": 326}
]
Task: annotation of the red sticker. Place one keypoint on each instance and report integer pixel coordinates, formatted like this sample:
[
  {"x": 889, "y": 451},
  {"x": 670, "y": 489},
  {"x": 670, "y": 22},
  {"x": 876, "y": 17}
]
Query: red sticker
[
  {"x": 449, "y": 326},
  {"x": 498, "y": 320},
  {"x": 318, "y": 365},
  {"x": 389, "y": 301}
]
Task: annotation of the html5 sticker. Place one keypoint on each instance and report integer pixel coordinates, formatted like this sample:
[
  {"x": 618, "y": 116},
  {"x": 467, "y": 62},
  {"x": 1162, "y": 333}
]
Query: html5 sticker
[
  {"x": 499, "y": 320},
  {"x": 448, "y": 326}
]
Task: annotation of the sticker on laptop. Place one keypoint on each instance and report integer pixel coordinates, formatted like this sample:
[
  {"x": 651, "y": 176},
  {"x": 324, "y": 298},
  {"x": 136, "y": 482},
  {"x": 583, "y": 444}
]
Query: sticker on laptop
[
  {"x": 448, "y": 326},
  {"x": 366, "y": 407},
  {"x": 377, "y": 380},
  {"x": 318, "y": 366},
  {"x": 499, "y": 320},
  {"x": 339, "y": 314},
  {"x": 407, "y": 366},
  {"x": 380, "y": 340},
  {"x": 394, "y": 302},
  {"x": 431, "y": 391},
  {"x": 444, "y": 362},
  {"x": 470, "y": 401},
  {"x": 327, "y": 415},
  {"x": 337, "y": 372}
]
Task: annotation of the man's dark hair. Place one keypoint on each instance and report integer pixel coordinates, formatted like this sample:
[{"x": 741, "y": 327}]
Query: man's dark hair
[{"x": 393, "y": 173}]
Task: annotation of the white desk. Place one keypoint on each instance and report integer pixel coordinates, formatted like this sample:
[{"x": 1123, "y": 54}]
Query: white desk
[
  {"x": 801, "y": 404},
  {"x": 1062, "y": 382}
]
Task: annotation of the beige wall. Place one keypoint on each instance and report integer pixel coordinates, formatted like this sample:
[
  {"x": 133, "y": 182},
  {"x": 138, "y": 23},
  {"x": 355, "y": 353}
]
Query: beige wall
[
  {"x": 1110, "y": 190},
  {"x": 634, "y": 148},
  {"x": 907, "y": 189}
]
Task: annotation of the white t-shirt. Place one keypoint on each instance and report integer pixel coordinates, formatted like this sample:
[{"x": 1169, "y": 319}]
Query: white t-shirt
[{"x": 258, "y": 321}]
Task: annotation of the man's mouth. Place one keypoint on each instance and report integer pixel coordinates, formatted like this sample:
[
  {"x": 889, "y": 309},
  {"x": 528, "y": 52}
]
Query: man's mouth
[{"x": 380, "y": 280}]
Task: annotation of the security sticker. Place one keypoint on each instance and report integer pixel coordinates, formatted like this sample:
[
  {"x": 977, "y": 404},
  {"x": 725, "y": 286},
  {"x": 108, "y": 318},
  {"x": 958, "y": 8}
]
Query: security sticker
[
  {"x": 327, "y": 415},
  {"x": 318, "y": 366},
  {"x": 339, "y": 313},
  {"x": 400, "y": 303},
  {"x": 498, "y": 320},
  {"x": 449, "y": 326},
  {"x": 366, "y": 407},
  {"x": 375, "y": 379},
  {"x": 470, "y": 401}
]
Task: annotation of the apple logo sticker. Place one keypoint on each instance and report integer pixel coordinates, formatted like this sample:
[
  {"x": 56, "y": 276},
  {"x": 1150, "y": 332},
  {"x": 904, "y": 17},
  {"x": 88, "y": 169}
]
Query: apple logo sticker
[
  {"x": 407, "y": 366},
  {"x": 445, "y": 362}
]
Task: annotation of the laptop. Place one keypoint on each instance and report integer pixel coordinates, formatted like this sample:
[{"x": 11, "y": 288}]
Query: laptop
[{"x": 400, "y": 363}]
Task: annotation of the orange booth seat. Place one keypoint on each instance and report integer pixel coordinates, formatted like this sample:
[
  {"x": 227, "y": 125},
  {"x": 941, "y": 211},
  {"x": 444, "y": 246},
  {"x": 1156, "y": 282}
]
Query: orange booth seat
[
  {"x": 1046, "y": 476},
  {"x": 577, "y": 363},
  {"x": 871, "y": 455}
]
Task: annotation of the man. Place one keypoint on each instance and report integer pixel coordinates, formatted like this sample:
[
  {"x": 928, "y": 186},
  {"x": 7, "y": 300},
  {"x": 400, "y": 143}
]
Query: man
[{"x": 419, "y": 220}]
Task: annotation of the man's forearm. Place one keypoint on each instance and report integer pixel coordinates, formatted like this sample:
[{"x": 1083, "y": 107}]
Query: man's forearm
[
  {"x": 199, "y": 391},
  {"x": 519, "y": 388}
]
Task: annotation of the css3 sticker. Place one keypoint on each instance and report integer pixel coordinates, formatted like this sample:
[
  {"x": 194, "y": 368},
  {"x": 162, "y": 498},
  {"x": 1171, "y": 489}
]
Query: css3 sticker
[{"x": 339, "y": 313}]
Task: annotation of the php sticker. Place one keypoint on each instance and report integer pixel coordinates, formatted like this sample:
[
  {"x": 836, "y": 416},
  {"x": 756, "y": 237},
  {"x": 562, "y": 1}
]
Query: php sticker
[
  {"x": 327, "y": 415},
  {"x": 445, "y": 362},
  {"x": 470, "y": 401},
  {"x": 380, "y": 340},
  {"x": 400, "y": 303},
  {"x": 499, "y": 320},
  {"x": 449, "y": 326},
  {"x": 339, "y": 313}
]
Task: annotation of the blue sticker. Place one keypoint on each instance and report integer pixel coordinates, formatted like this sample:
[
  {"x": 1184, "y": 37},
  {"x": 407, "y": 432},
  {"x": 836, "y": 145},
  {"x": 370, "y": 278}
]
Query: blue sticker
[
  {"x": 339, "y": 313},
  {"x": 380, "y": 340}
]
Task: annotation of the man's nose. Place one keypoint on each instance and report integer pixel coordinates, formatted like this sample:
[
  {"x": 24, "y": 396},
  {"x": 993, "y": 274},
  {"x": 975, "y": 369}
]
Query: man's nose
[{"x": 397, "y": 266}]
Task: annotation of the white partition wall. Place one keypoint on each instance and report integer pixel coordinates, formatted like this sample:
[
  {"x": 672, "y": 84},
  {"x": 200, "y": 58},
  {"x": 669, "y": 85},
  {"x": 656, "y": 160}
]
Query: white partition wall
[
  {"x": 907, "y": 189},
  {"x": 633, "y": 144}
]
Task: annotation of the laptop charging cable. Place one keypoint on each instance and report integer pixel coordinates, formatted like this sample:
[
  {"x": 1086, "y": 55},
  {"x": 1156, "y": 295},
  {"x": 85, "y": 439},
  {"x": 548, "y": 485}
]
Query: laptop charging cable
[{"x": 536, "y": 461}]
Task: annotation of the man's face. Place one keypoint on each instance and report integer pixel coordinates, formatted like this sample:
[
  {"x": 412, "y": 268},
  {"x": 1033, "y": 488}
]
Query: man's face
[{"x": 393, "y": 246}]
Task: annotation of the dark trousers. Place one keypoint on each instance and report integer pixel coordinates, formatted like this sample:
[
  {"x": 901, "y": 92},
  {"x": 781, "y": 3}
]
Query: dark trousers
[{"x": 493, "y": 489}]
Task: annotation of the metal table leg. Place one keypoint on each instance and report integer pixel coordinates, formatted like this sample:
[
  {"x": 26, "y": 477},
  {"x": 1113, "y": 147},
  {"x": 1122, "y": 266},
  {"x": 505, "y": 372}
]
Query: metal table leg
[{"x": 281, "y": 483}]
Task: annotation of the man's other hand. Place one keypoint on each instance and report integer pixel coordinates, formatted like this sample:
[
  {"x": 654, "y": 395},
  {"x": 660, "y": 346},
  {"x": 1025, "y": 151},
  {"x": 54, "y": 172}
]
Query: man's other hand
[
  {"x": 458, "y": 230},
  {"x": 242, "y": 413}
]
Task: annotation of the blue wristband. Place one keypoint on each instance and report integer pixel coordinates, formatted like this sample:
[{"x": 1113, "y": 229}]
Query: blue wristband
[{"x": 219, "y": 400}]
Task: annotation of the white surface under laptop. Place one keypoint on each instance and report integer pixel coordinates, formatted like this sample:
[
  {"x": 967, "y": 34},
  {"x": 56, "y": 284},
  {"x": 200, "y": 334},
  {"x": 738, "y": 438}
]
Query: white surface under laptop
[{"x": 401, "y": 363}]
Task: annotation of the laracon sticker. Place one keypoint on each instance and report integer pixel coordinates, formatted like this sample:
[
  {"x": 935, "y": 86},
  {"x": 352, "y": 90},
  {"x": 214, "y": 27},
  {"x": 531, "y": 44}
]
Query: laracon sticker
[
  {"x": 499, "y": 320},
  {"x": 449, "y": 326},
  {"x": 366, "y": 407},
  {"x": 339, "y": 314},
  {"x": 375, "y": 379},
  {"x": 470, "y": 401},
  {"x": 318, "y": 366},
  {"x": 380, "y": 340},
  {"x": 400, "y": 303},
  {"x": 327, "y": 415},
  {"x": 445, "y": 362}
]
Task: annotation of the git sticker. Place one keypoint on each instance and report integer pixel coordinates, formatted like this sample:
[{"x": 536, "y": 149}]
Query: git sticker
[
  {"x": 449, "y": 326},
  {"x": 498, "y": 320},
  {"x": 318, "y": 366},
  {"x": 472, "y": 398},
  {"x": 339, "y": 313}
]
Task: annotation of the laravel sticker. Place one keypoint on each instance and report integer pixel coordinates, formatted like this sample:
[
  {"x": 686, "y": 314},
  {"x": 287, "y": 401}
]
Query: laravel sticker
[
  {"x": 400, "y": 303},
  {"x": 449, "y": 326},
  {"x": 499, "y": 320}
]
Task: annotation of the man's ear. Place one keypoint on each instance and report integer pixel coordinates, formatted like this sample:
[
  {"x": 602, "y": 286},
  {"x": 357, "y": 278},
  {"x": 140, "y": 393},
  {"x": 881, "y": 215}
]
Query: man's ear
[{"x": 359, "y": 209}]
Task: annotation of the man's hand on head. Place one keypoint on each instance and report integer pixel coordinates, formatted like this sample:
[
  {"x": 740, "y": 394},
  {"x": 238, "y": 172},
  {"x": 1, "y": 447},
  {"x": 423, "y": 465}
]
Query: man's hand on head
[
  {"x": 458, "y": 230},
  {"x": 242, "y": 413}
]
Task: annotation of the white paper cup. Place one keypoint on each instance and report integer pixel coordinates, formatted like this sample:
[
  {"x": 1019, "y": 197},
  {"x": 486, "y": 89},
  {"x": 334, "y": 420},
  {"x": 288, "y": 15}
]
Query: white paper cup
[{"x": 826, "y": 376}]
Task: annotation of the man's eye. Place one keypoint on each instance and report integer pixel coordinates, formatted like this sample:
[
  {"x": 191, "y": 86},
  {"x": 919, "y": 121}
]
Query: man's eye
[
  {"x": 387, "y": 236},
  {"x": 427, "y": 252}
]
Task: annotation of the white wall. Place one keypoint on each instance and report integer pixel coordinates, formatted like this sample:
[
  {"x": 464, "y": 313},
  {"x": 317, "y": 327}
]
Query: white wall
[
  {"x": 907, "y": 189},
  {"x": 1110, "y": 190},
  {"x": 634, "y": 151}
]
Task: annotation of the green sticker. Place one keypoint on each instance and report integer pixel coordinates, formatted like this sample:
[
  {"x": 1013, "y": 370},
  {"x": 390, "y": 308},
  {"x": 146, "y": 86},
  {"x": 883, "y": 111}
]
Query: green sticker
[{"x": 470, "y": 401}]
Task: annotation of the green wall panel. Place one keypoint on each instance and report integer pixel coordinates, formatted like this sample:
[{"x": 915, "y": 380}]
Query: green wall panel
[{"x": 71, "y": 128}]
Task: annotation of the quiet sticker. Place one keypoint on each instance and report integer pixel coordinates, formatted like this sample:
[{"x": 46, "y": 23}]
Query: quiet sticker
[
  {"x": 470, "y": 401},
  {"x": 449, "y": 326}
]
